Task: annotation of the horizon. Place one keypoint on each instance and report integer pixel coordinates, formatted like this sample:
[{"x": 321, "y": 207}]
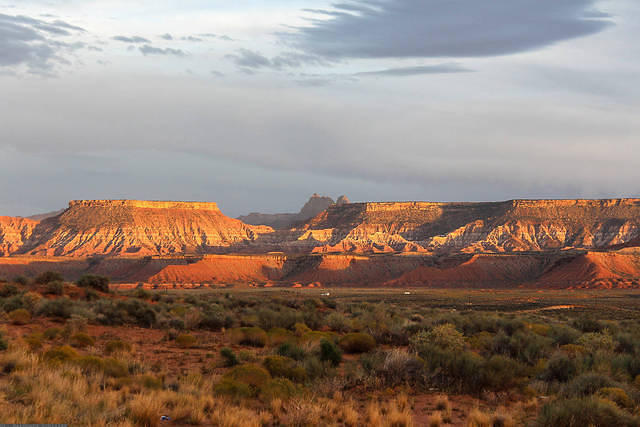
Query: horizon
[{"x": 252, "y": 104}]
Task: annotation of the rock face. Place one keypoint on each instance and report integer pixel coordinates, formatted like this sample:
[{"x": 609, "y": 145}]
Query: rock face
[
  {"x": 131, "y": 227},
  {"x": 512, "y": 226},
  {"x": 14, "y": 232},
  {"x": 313, "y": 207},
  {"x": 343, "y": 200}
]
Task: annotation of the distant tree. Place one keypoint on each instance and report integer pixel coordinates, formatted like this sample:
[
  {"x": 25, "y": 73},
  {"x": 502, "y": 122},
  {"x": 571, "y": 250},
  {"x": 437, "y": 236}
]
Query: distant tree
[
  {"x": 100, "y": 283},
  {"x": 48, "y": 277}
]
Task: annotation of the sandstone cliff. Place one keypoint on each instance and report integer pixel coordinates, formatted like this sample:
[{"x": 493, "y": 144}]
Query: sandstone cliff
[
  {"x": 126, "y": 227},
  {"x": 14, "y": 232}
]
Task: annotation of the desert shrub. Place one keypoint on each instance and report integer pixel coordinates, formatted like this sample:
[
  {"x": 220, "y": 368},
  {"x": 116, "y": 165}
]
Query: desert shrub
[
  {"x": 241, "y": 377},
  {"x": 99, "y": 283},
  {"x": 586, "y": 324},
  {"x": 130, "y": 311},
  {"x": 3, "y": 343},
  {"x": 627, "y": 343},
  {"x": 291, "y": 350},
  {"x": 595, "y": 341},
  {"x": 149, "y": 382},
  {"x": 81, "y": 340},
  {"x": 229, "y": 358},
  {"x": 214, "y": 320},
  {"x": 444, "y": 336},
  {"x": 281, "y": 366},
  {"x": 55, "y": 288},
  {"x": 500, "y": 373},
  {"x": 337, "y": 322},
  {"x": 30, "y": 300},
  {"x": 60, "y": 307},
  {"x": 13, "y": 303},
  {"x": 394, "y": 367},
  {"x": 48, "y": 277},
  {"x": 317, "y": 336},
  {"x": 284, "y": 318},
  {"x": 91, "y": 295},
  {"x": 586, "y": 385},
  {"x": 7, "y": 290},
  {"x": 563, "y": 334},
  {"x": 330, "y": 352},
  {"x": 232, "y": 388},
  {"x": 559, "y": 368},
  {"x": 278, "y": 336},
  {"x": 117, "y": 346},
  {"x": 357, "y": 342},
  {"x": 627, "y": 364},
  {"x": 19, "y": 316},
  {"x": 617, "y": 396},
  {"x": 90, "y": 363},
  {"x": 251, "y": 336},
  {"x": 61, "y": 354},
  {"x": 277, "y": 388},
  {"x": 34, "y": 340},
  {"x": 584, "y": 412},
  {"x": 51, "y": 333},
  {"x": 186, "y": 341},
  {"x": 21, "y": 280},
  {"x": 459, "y": 370},
  {"x": 115, "y": 368},
  {"x": 300, "y": 329},
  {"x": 524, "y": 346}
]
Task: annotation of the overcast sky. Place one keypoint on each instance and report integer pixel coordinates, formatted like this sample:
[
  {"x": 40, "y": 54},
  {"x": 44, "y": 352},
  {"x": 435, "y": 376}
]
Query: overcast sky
[{"x": 257, "y": 104}]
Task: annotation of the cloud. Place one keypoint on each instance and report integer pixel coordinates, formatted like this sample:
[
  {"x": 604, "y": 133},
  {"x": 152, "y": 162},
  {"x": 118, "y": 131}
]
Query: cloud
[
  {"x": 166, "y": 36},
  {"x": 437, "y": 28},
  {"x": 29, "y": 41},
  {"x": 415, "y": 71},
  {"x": 133, "y": 39},
  {"x": 248, "y": 60},
  {"x": 191, "y": 39},
  {"x": 150, "y": 50}
]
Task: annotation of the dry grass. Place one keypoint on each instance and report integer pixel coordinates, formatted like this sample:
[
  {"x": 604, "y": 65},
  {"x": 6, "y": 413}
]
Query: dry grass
[{"x": 477, "y": 418}]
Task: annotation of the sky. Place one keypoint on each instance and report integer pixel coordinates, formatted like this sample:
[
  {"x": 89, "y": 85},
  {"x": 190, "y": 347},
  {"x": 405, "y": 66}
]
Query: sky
[{"x": 256, "y": 105}]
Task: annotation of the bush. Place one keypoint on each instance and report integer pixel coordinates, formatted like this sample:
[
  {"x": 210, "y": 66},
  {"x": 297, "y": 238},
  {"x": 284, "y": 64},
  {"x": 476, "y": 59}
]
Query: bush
[
  {"x": 242, "y": 379},
  {"x": 357, "y": 342},
  {"x": 150, "y": 382},
  {"x": 34, "y": 340},
  {"x": 279, "y": 336},
  {"x": 186, "y": 341},
  {"x": 100, "y": 283},
  {"x": 559, "y": 368},
  {"x": 228, "y": 357},
  {"x": 48, "y": 277},
  {"x": 291, "y": 350},
  {"x": 329, "y": 352},
  {"x": 3, "y": 343},
  {"x": 52, "y": 333},
  {"x": 277, "y": 388},
  {"x": 587, "y": 384},
  {"x": 617, "y": 396},
  {"x": 90, "y": 363},
  {"x": 586, "y": 324},
  {"x": 251, "y": 336},
  {"x": 21, "y": 280},
  {"x": 82, "y": 340},
  {"x": 60, "y": 308},
  {"x": 7, "y": 290},
  {"x": 55, "y": 288},
  {"x": 444, "y": 336},
  {"x": 117, "y": 346},
  {"x": 61, "y": 354},
  {"x": 281, "y": 366},
  {"x": 115, "y": 368},
  {"x": 584, "y": 412},
  {"x": 19, "y": 317}
]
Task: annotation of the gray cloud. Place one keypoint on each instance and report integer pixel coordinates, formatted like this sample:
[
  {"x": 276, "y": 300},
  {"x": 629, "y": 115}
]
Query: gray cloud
[
  {"x": 436, "y": 28},
  {"x": 133, "y": 39},
  {"x": 166, "y": 36},
  {"x": 151, "y": 50},
  {"x": 250, "y": 60},
  {"x": 417, "y": 70},
  {"x": 191, "y": 39},
  {"x": 28, "y": 41}
]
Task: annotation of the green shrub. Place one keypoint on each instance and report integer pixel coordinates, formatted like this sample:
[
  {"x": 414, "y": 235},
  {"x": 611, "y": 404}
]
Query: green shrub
[
  {"x": 90, "y": 363},
  {"x": 617, "y": 396},
  {"x": 149, "y": 381},
  {"x": 100, "y": 283},
  {"x": 281, "y": 366},
  {"x": 7, "y": 290},
  {"x": 252, "y": 336},
  {"x": 34, "y": 340},
  {"x": 48, "y": 277},
  {"x": 584, "y": 412},
  {"x": 559, "y": 368},
  {"x": 117, "y": 346},
  {"x": 3, "y": 343},
  {"x": 587, "y": 384},
  {"x": 291, "y": 350},
  {"x": 60, "y": 307},
  {"x": 21, "y": 280},
  {"x": 241, "y": 377},
  {"x": 445, "y": 336},
  {"x": 19, "y": 317},
  {"x": 357, "y": 342},
  {"x": 61, "y": 354},
  {"x": 115, "y": 368},
  {"x": 279, "y": 336},
  {"x": 586, "y": 324},
  {"x": 52, "y": 333},
  {"x": 277, "y": 388},
  {"x": 81, "y": 340},
  {"x": 329, "y": 352},
  {"x": 232, "y": 388},
  {"x": 229, "y": 357},
  {"x": 55, "y": 288},
  {"x": 186, "y": 341}
]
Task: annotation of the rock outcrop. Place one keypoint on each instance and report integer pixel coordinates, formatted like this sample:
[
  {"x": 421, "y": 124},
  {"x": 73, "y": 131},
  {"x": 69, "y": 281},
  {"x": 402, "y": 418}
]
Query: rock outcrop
[
  {"x": 14, "y": 232},
  {"x": 283, "y": 221}
]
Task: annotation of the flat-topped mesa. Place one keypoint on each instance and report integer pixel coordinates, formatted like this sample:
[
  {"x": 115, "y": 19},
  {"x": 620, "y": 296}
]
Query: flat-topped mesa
[{"x": 145, "y": 204}]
